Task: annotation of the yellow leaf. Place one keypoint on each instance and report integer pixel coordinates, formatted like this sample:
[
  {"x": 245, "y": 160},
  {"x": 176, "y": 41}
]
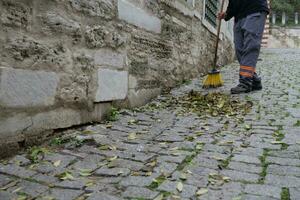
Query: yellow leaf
[
  {"x": 112, "y": 158},
  {"x": 217, "y": 158},
  {"x": 108, "y": 126},
  {"x": 276, "y": 142},
  {"x": 179, "y": 186},
  {"x": 132, "y": 136},
  {"x": 174, "y": 149},
  {"x": 199, "y": 133},
  {"x": 183, "y": 176},
  {"x": 202, "y": 191},
  {"x": 112, "y": 147},
  {"x": 90, "y": 183},
  {"x": 148, "y": 173},
  {"x": 152, "y": 164},
  {"x": 160, "y": 197},
  {"x": 85, "y": 172},
  {"x": 88, "y": 132},
  {"x": 226, "y": 179},
  {"x": 247, "y": 127},
  {"x": 66, "y": 176},
  {"x": 57, "y": 163}
]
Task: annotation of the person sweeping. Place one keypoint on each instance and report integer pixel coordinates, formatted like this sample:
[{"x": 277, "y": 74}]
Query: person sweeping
[{"x": 250, "y": 17}]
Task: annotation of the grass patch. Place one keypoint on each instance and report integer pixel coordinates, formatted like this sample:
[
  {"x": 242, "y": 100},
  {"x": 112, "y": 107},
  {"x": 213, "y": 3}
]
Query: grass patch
[
  {"x": 297, "y": 123},
  {"x": 188, "y": 159},
  {"x": 278, "y": 135},
  {"x": 113, "y": 114},
  {"x": 284, "y": 146},
  {"x": 264, "y": 164},
  {"x": 157, "y": 182},
  {"x": 224, "y": 163},
  {"x": 36, "y": 153},
  {"x": 285, "y": 194}
]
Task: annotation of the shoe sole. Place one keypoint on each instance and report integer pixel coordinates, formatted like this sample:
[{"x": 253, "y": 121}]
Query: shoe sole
[
  {"x": 239, "y": 92},
  {"x": 255, "y": 89}
]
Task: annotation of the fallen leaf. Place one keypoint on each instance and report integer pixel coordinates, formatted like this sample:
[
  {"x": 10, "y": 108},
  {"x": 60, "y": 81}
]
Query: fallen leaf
[
  {"x": 66, "y": 176},
  {"x": 152, "y": 164},
  {"x": 11, "y": 184},
  {"x": 132, "y": 136},
  {"x": 202, "y": 191},
  {"x": 21, "y": 197},
  {"x": 57, "y": 163},
  {"x": 179, "y": 187},
  {"x": 218, "y": 158},
  {"x": 109, "y": 126},
  {"x": 132, "y": 121},
  {"x": 199, "y": 133},
  {"x": 159, "y": 197},
  {"x": 85, "y": 172},
  {"x": 226, "y": 179},
  {"x": 17, "y": 190},
  {"x": 90, "y": 183},
  {"x": 237, "y": 198},
  {"x": 88, "y": 132},
  {"x": 277, "y": 142},
  {"x": 247, "y": 127},
  {"x": 174, "y": 149},
  {"x": 148, "y": 173},
  {"x": 199, "y": 147},
  {"x": 103, "y": 147},
  {"x": 183, "y": 176},
  {"x": 112, "y": 158}
]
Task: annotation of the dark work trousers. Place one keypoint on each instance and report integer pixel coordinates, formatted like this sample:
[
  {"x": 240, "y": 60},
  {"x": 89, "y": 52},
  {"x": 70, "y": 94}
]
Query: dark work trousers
[{"x": 248, "y": 34}]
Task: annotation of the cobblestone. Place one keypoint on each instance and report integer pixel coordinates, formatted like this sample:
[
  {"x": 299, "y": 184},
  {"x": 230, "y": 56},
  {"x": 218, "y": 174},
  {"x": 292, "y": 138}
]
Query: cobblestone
[{"x": 149, "y": 150}]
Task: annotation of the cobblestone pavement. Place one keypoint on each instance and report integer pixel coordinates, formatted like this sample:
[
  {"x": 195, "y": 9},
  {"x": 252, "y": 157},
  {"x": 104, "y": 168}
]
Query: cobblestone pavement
[{"x": 161, "y": 151}]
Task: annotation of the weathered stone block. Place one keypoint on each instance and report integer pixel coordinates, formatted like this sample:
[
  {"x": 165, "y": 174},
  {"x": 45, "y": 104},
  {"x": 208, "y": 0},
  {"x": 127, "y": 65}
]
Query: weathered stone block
[
  {"x": 106, "y": 57},
  {"x": 112, "y": 85},
  {"x": 138, "y": 17},
  {"x": 100, "y": 110},
  {"x": 95, "y": 8},
  {"x": 25, "y": 88},
  {"x": 59, "y": 118},
  {"x": 102, "y": 36},
  {"x": 15, "y": 14},
  {"x": 12, "y": 126},
  {"x": 53, "y": 22}
]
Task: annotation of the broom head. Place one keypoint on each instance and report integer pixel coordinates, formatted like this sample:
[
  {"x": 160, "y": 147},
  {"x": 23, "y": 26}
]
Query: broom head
[{"x": 213, "y": 79}]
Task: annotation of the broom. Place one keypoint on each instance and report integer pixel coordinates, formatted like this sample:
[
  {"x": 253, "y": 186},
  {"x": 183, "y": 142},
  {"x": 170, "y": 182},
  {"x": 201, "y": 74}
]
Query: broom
[{"x": 214, "y": 77}]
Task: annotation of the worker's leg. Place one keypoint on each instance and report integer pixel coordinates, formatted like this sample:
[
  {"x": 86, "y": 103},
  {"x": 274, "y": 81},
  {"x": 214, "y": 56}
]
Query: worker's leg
[
  {"x": 238, "y": 40},
  {"x": 253, "y": 27}
]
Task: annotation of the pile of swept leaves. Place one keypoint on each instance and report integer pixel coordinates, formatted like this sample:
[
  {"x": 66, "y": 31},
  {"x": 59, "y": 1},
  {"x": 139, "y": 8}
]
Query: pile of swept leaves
[{"x": 213, "y": 104}]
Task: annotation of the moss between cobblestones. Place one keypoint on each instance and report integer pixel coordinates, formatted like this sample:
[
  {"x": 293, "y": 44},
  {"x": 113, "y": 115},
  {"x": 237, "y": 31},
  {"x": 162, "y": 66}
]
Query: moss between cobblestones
[
  {"x": 157, "y": 182},
  {"x": 297, "y": 123},
  {"x": 224, "y": 163},
  {"x": 279, "y": 136},
  {"x": 188, "y": 159},
  {"x": 264, "y": 165},
  {"x": 285, "y": 194}
]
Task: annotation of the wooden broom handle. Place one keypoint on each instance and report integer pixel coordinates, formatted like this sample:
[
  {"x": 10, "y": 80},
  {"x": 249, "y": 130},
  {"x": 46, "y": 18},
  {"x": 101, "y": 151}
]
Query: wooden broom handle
[{"x": 218, "y": 35}]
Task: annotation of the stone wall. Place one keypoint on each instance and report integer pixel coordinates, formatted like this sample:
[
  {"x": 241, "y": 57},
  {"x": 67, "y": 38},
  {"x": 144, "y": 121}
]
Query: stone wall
[
  {"x": 284, "y": 37},
  {"x": 64, "y": 62}
]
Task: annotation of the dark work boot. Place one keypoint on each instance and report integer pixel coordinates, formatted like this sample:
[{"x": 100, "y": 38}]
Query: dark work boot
[
  {"x": 241, "y": 88},
  {"x": 256, "y": 83}
]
